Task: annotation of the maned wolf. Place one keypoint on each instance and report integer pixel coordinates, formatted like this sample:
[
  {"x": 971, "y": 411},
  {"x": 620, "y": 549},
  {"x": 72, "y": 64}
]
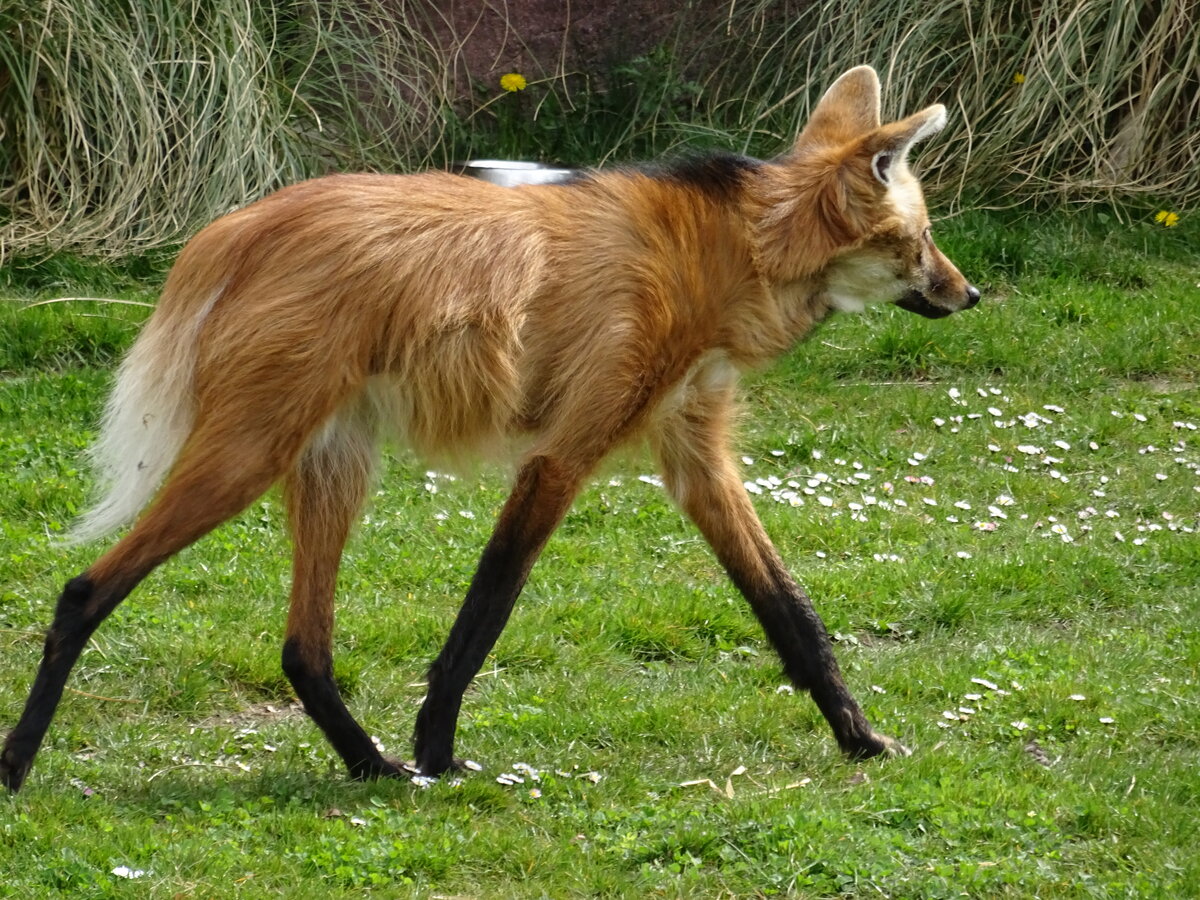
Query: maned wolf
[{"x": 558, "y": 320}]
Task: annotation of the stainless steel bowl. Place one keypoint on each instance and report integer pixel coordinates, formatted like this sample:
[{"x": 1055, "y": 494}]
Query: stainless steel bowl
[{"x": 509, "y": 172}]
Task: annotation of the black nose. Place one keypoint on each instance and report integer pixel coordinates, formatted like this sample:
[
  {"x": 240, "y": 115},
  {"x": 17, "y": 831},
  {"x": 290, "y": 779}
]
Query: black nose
[{"x": 972, "y": 295}]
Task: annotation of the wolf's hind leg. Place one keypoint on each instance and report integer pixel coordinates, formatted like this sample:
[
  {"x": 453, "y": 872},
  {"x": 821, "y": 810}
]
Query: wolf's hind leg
[
  {"x": 324, "y": 493},
  {"x": 214, "y": 479}
]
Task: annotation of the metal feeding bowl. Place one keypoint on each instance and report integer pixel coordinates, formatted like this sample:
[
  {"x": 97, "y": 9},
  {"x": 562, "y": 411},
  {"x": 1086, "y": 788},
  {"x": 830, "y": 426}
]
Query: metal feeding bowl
[{"x": 509, "y": 172}]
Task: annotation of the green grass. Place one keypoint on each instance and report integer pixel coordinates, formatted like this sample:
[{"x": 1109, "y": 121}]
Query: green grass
[
  {"x": 632, "y": 677},
  {"x": 67, "y": 312}
]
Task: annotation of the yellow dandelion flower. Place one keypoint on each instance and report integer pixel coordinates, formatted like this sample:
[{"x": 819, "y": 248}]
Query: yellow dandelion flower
[
  {"x": 1167, "y": 219},
  {"x": 1019, "y": 78},
  {"x": 513, "y": 81}
]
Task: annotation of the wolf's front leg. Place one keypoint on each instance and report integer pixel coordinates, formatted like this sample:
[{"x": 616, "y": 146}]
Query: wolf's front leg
[
  {"x": 700, "y": 475},
  {"x": 541, "y": 496}
]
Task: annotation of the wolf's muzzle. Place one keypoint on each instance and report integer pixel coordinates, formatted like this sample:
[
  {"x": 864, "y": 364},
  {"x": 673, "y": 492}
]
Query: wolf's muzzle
[{"x": 915, "y": 301}]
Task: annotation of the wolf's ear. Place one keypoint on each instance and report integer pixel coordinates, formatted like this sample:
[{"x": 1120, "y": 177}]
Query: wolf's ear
[
  {"x": 890, "y": 145},
  {"x": 848, "y": 110}
]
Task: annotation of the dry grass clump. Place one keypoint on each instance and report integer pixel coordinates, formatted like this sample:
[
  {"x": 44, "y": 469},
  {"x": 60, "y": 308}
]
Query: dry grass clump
[{"x": 122, "y": 126}]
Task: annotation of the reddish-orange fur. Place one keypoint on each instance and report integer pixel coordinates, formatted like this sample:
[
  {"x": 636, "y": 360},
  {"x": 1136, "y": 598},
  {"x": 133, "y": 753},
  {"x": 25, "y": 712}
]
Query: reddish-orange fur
[{"x": 555, "y": 322}]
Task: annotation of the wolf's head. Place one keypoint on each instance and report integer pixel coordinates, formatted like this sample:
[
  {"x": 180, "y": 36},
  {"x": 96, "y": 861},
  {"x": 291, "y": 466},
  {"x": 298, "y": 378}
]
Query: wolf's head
[{"x": 849, "y": 212}]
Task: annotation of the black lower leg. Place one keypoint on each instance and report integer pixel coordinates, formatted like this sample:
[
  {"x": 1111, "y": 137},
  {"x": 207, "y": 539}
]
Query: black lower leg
[
  {"x": 76, "y": 617},
  {"x": 322, "y": 701},
  {"x": 488, "y": 605},
  {"x": 799, "y": 636},
  {"x": 540, "y": 497}
]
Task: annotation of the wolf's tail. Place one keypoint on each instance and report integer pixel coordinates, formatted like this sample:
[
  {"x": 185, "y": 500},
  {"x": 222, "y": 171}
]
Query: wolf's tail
[{"x": 148, "y": 416}]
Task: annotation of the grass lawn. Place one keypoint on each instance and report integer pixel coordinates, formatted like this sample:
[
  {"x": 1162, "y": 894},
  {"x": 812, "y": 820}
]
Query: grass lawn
[{"x": 997, "y": 514}]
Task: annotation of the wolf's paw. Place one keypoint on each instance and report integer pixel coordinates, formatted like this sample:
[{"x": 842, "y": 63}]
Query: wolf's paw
[
  {"x": 423, "y": 779},
  {"x": 14, "y": 766},
  {"x": 435, "y": 768},
  {"x": 876, "y": 744}
]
